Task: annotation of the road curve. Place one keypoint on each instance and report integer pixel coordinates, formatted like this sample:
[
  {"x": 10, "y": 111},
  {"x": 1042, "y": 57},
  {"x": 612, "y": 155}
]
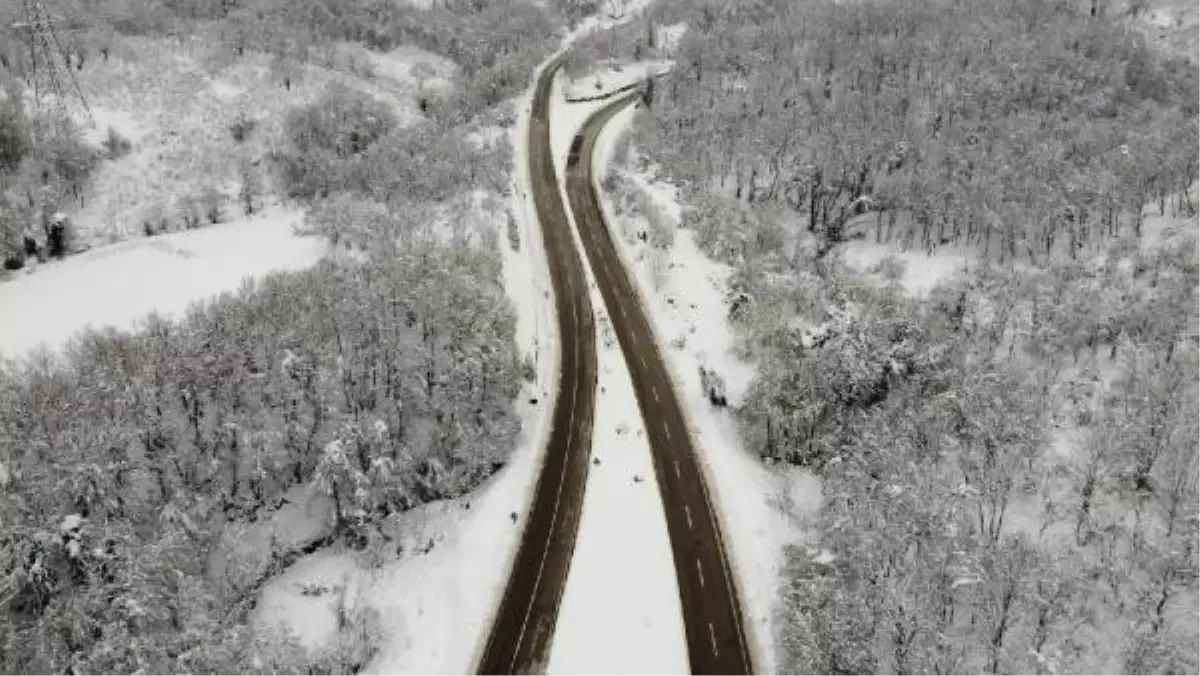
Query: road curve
[
  {"x": 712, "y": 615},
  {"x": 519, "y": 639}
]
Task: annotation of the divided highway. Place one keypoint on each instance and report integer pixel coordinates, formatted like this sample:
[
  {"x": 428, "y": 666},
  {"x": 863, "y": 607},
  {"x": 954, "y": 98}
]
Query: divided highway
[
  {"x": 712, "y": 615},
  {"x": 520, "y": 636},
  {"x": 521, "y": 632}
]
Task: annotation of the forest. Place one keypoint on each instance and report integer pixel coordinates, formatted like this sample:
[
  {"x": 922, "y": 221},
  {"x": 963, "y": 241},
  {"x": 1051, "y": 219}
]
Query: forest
[
  {"x": 385, "y": 376},
  {"x": 1021, "y": 128},
  {"x": 1009, "y": 462}
]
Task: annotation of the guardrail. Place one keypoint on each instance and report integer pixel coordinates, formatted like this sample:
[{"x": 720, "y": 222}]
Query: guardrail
[{"x": 616, "y": 92}]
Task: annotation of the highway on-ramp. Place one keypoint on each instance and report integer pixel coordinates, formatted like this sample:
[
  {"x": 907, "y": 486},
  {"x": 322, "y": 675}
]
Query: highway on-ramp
[
  {"x": 519, "y": 639},
  {"x": 711, "y": 612}
]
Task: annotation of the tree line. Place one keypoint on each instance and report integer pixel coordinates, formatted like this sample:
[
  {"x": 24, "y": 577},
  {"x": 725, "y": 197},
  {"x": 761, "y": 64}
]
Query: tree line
[
  {"x": 1024, "y": 129},
  {"x": 1009, "y": 464}
]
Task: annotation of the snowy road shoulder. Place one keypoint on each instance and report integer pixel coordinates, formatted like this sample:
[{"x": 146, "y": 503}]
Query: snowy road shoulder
[{"x": 682, "y": 291}]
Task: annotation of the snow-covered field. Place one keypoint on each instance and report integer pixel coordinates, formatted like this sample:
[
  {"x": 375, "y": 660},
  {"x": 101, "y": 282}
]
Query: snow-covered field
[
  {"x": 119, "y": 284},
  {"x": 177, "y": 102},
  {"x": 921, "y": 271}
]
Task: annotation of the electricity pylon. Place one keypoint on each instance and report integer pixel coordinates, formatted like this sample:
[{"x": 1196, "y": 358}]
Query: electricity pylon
[{"x": 49, "y": 62}]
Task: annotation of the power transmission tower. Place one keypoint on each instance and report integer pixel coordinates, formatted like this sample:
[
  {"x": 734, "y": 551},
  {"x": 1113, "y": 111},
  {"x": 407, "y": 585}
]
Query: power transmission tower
[{"x": 48, "y": 60}]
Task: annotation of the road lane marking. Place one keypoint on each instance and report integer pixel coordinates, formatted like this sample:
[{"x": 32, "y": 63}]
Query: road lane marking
[
  {"x": 666, "y": 430},
  {"x": 729, "y": 588},
  {"x": 654, "y": 391},
  {"x": 700, "y": 572},
  {"x": 676, "y": 468},
  {"x": 641, "y": 359},
  {"x": 712, "y": 638},
  {"x": 688, "y": 513},
  {"x": 537, "y": 580}
]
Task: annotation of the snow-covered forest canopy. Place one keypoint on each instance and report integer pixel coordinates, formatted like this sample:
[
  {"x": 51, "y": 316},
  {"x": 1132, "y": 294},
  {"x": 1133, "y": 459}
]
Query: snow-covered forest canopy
[
  {"x": 1008, "y": 454},
  {"x": 384, "y": 377}
]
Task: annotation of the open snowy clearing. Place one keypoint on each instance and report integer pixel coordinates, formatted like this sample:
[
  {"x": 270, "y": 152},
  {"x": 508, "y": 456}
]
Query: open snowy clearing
[
  {"x": 178, "y": 102},
  {"x": 119, "y": 284},
  {"x": 922, "y": 272}
]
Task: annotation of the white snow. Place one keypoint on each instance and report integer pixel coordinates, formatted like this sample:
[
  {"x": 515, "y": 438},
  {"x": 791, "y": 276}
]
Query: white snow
[
  {"x": 119, "y": 284},
  {"x": 304, "y": 599},
  {"x": 125, "y": 123},
  {"x": 177, "y": 101},
  {"x": 225, "y": 91},
  {"x": 922, "y": 271},
  {"x": 670, "y": 35}
]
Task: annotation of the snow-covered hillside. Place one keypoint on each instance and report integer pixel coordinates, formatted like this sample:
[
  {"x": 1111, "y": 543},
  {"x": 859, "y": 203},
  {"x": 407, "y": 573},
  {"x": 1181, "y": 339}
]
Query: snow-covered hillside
[{"x": 183, "y": 107}]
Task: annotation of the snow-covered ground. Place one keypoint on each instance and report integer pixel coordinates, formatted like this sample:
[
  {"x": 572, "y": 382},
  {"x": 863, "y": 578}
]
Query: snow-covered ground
[
  {"x": 177, "y": 102},
  {"x": 670, "y": 35},
  {"x": 119, "y": 284},
  {"x": 921, "y": 271}
]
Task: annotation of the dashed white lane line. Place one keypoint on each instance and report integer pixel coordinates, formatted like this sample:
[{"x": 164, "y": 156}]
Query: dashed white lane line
[
  {"x": 676, "y": 468},
  {"x": 712, "y": 638},
  {"x": 666, "y": 430},
  {"x": 700, "y": 572},
  {"x": 654, "y": 392},
  {"x": 554, "y": 514},
  {"x": 688, "y": 513}
]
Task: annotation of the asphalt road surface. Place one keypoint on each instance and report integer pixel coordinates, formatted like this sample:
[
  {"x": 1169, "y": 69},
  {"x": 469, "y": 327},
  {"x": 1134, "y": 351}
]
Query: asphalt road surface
[
  {"x": 712, "y": 615},
  {"x": 519, "y": 641}
]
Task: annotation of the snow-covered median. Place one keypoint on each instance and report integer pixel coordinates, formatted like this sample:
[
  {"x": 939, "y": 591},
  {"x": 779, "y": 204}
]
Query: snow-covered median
[
  {"x": 622, "y": 581},
  {"x": 119, "y": 284}
]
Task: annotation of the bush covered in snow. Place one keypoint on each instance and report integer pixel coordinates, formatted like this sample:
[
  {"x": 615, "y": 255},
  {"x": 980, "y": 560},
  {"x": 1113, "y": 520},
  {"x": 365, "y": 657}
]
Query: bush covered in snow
[
  {"x": 44, "y": 166},
  {"x": 323, "y": 136}
]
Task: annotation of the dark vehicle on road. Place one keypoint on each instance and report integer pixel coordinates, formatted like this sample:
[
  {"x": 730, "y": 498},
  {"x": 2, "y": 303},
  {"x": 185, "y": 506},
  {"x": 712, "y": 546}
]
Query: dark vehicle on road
[{"x": 573, "y": 155}]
